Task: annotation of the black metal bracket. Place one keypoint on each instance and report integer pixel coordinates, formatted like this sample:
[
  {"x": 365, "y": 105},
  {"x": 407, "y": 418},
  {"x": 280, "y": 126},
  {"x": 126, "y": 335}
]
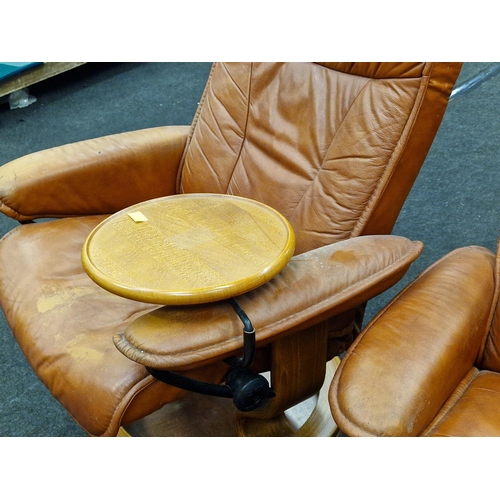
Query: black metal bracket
[
  {"x": 248, "y": 390},
  {"x": 248, "y": 339}
]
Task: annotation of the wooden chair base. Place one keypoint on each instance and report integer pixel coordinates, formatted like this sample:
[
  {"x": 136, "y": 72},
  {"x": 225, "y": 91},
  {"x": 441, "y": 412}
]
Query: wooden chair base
[{"x": 205, "y": 416}]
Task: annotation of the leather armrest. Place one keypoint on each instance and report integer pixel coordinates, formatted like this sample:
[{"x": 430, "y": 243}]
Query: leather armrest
[
  {"x": 313, "y": 287},
  {"x": 402, "y": 368},
  {"x": 96, "y": 176}
]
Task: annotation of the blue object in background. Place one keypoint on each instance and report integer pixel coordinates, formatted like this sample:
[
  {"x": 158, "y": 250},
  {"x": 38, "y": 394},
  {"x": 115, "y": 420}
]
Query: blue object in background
[{"x": 8, "y": 69}]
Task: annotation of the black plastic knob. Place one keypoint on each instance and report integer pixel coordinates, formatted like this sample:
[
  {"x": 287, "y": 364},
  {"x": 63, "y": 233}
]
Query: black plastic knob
[{"x": 250, "y": 390}]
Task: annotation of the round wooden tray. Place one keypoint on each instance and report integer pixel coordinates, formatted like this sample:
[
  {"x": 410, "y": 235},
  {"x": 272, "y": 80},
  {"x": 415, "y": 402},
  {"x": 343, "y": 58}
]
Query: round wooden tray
[{"x": 188, "y": 249}]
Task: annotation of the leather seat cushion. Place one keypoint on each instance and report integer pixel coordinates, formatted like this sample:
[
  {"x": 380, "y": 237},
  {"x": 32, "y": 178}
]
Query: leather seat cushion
[
  {"x": 475, "y": 411},
  {"x": 60, "y": 318}
]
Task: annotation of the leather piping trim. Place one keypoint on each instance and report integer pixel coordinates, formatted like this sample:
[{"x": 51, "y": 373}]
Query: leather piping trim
[
  {"x": 121, "y": 408},
  {"x": 494, "y": 306},
  {"x": 243, "y": 142},
  {"x": 393, "y": 160},
  {"x": 450, "y": 403},
  {"x": 193, "y": 127}
]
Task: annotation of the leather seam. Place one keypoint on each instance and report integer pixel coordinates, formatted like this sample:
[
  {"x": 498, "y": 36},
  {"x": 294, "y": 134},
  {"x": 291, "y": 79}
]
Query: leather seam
[
  {"x": 193, "y": 127},
  {"x": 238, "y": 157},
  {"x": 17, "y": 215},
  {"x": 494, "y": 307},
  {"x": 384, "y": 180},
  {"x": 435, "y": 423},
  {"x": 10, "y": 233},
  {"x": 321, "y": 167},
  {"x": 128, "y": 398}
]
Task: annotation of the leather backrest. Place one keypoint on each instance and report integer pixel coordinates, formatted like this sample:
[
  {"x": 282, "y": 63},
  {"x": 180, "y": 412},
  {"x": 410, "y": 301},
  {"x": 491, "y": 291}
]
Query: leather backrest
[{"x": 335, "y": 147}]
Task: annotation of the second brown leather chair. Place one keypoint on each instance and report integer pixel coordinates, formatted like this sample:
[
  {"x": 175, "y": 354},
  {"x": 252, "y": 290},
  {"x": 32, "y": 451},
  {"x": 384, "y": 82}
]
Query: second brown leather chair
[{"x": 429, "y": 363}]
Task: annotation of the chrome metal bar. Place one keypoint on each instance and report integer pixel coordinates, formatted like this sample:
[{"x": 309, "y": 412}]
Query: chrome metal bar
[{"x": 470, "y": 84}]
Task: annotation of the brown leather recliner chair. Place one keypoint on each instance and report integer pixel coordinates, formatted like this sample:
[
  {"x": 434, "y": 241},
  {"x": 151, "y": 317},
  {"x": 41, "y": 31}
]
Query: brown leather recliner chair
[
  {"x": 335, "y": 147},
  {"x": 429, "y": 363}
]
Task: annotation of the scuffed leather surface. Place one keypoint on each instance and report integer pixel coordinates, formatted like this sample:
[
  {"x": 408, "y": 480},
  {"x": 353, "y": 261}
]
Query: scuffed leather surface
[
  {"x": 65, "y": 323},
  {"x": 96, "y": 176},
  {"x": 318, "y": 135},
  {"x": 401, "y": 370},
  {"x": 315, "y": 285}
]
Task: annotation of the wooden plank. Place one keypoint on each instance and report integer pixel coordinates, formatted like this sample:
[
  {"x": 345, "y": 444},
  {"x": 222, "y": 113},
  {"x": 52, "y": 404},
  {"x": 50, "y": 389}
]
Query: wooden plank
[{"x": 35, "y": 75}]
